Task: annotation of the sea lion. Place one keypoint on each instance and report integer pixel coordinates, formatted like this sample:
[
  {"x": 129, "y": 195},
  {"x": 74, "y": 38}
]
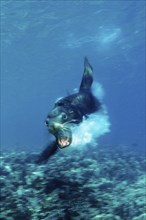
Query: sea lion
[{"x": 70, "y": 111}]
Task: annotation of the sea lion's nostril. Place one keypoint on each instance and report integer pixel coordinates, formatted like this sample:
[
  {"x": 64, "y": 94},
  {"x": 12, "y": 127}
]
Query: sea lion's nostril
[{"x": 47, "y": 122}]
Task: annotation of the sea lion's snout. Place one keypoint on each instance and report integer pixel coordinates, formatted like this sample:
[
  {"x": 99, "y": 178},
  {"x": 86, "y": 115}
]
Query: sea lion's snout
[
  {"x": 55, "y": 120},
  {"x": 54, "y": 127},
  {"x": 64, "y": 137},
  {"x": 60, "y": 130},
  {"x": 62, "y": 133}
]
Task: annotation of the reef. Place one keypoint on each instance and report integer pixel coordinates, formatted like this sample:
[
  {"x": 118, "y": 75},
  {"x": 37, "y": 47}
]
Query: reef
[{"x": 97, "y": 183}]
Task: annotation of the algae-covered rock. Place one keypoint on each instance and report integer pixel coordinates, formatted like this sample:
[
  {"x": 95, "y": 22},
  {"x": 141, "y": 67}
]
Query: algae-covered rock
[
  {"x": 106, "y": 217},
  {"x": 96, "y": 185},
  {"x": 141, "y": 217}
]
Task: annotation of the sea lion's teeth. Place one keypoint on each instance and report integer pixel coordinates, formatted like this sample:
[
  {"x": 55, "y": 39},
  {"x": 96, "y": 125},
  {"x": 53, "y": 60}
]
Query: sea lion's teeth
[{"x": 63, "y": 142}]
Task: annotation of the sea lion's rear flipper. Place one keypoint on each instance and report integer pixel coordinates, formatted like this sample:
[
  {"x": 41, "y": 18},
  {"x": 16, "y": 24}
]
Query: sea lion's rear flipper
[
  {"x": 87, "y": 78},
  {"x": 47, "y": 153}
]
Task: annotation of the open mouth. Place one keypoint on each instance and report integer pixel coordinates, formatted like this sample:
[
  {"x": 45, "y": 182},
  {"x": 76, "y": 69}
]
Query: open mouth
[
  {"x": 64, "y": 138},
  {"x": 63, "y": 142}
]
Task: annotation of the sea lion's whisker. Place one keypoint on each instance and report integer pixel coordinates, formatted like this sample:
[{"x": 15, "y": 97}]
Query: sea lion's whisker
[{"x": 71, "y": 121}]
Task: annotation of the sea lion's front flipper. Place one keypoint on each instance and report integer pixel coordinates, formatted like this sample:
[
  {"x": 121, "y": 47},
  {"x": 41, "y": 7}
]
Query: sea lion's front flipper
[
  {"x": 87, "y": 78},
  {"x": 49, "y": 151}
]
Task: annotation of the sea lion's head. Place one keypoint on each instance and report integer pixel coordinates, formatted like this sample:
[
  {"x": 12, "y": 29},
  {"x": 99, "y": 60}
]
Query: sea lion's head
[{"x": 60, "y": 120}]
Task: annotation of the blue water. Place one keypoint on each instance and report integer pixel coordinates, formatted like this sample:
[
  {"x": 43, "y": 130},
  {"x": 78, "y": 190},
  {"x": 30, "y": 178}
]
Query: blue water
[{"x": 43, "y": 44}]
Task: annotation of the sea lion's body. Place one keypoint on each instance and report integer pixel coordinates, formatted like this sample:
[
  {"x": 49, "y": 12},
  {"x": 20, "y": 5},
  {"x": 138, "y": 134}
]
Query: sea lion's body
[{"x": 68, "y": 111}]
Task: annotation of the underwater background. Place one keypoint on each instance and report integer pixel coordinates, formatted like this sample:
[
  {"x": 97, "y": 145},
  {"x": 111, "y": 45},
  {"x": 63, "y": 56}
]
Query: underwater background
[{"x": 43, "y": 45}]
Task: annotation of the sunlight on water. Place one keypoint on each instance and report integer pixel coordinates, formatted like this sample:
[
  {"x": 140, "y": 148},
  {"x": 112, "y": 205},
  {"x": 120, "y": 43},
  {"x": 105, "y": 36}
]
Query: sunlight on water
[
  {"x": 104, "y": 36},
  {"x": 109, "y": 35}
]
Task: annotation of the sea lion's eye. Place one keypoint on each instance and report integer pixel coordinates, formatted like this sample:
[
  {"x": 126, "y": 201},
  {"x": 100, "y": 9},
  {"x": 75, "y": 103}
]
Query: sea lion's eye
[
  {"x": 64, "y": 116},
  {"x": 59, "y": 103}
]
